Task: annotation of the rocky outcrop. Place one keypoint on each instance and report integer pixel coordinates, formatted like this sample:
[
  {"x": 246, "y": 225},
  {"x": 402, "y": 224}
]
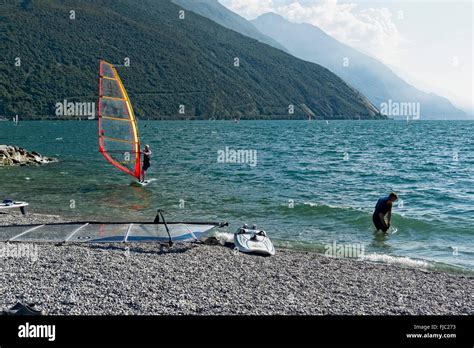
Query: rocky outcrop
[{"x": 16, "y": 156}]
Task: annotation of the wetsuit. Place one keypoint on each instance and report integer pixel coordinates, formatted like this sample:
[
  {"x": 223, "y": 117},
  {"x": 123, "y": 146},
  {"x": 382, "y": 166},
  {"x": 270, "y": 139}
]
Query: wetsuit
[
  {"x": 381, "y": 209},
  {"x": 146, "y": 160}
]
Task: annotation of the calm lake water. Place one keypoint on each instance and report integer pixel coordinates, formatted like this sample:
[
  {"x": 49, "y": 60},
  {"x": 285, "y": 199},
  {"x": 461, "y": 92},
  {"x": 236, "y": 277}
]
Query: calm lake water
[{"x": 312, "y": 183}]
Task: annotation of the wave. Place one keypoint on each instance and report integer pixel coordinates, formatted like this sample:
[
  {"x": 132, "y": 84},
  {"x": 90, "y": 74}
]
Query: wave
[
  {"x": 396, "y": 260},
  {"x": 405, "y": 261},
  {"x": 311, "y": 208},
  {"x": 361, "y": 218},
  {"x": 402, "y": 261}
]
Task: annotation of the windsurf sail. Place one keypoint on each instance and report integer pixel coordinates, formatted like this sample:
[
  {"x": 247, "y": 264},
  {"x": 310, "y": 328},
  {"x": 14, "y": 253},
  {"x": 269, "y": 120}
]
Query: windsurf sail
[
  {"x": 118, "y": 132},
  {"x": 311, "y": 114},
  {"x": 108, "y": 232}
]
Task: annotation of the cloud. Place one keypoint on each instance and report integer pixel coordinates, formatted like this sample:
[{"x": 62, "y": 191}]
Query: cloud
[
  {"x": 371, "y": 30},
  {"x": 249, "y": 9}
]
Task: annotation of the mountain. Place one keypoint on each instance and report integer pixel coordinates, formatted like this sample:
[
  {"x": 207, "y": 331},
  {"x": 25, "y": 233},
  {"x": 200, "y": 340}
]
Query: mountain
[
  {"x": 174, "y": 62},
  {"x": 368, "y": 75},
  {"x": 220, "y": 14}
]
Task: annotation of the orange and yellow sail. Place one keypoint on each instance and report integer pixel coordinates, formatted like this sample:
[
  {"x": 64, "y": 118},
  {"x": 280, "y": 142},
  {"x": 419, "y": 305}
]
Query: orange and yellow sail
[{"x": 118, "y": 132}]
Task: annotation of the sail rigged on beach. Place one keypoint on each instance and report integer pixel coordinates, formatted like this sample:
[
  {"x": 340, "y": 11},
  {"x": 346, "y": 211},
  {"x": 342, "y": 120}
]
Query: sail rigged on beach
[
  {"x": 118, "y": 132},
  {"x": 108, "y": 232}
]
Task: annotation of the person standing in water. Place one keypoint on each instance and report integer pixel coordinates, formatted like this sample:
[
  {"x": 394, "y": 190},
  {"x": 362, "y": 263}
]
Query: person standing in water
[
  {"x": 146, "y": 162},
  {"x": 382, "y": 208}
]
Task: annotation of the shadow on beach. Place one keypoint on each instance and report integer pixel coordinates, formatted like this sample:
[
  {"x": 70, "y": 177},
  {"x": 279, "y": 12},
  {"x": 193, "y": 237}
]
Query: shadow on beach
[{"x": 150, "y": 248}]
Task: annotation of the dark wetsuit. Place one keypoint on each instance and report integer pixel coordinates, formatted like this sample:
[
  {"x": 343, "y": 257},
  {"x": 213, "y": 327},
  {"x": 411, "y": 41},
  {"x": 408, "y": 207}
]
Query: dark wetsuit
[
  {"x": 381, "y": 209},
  {"x": 146, "y": 161}
]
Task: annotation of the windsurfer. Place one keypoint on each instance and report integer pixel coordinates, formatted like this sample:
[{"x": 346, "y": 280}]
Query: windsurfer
[
  {"x": 384, "y": 207},
  {"x": 146, "y": 162}
]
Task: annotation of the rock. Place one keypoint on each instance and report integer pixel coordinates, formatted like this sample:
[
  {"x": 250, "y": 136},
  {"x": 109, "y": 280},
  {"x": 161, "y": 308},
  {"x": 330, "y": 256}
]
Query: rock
[{"x": 16, "y": 156}]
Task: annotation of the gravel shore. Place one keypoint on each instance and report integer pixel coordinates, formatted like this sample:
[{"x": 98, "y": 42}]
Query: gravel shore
[
  {"x": 140, "y": 279},
  {"x": 14, "y": 217}
]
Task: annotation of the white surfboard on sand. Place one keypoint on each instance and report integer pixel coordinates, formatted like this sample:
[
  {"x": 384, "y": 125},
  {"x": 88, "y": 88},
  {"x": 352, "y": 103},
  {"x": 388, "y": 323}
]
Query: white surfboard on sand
[{"x": 253, "y": 241}]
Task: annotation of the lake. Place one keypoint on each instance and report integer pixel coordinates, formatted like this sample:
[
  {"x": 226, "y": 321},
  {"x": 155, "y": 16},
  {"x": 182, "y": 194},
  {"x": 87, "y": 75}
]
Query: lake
[{"x": 308, "y": 184}]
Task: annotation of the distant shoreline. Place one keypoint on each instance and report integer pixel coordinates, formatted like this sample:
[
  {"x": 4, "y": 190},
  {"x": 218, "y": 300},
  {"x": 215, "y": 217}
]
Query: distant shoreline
[
  {"x": 242, "y": 119},
  {"x": 204, "y": 119}
]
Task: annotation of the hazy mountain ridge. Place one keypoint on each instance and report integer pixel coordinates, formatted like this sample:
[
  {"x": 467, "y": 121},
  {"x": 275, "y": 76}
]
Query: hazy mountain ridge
[
  {"x": 375, "y": 80},
  {"x": 173, "y": 63},
  {"x": 218, "y": 13}
]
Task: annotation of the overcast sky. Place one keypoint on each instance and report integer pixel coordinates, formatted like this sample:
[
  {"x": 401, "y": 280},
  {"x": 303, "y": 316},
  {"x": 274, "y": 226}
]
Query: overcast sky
[{"x": 428, "y": 43}]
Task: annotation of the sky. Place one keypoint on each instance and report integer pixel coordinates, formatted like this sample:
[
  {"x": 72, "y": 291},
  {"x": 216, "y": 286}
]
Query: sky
[{"x": 428, "y": 43}]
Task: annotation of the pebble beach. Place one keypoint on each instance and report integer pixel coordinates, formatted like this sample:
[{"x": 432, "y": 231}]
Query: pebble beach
[{"x": 204, "y": 279}]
